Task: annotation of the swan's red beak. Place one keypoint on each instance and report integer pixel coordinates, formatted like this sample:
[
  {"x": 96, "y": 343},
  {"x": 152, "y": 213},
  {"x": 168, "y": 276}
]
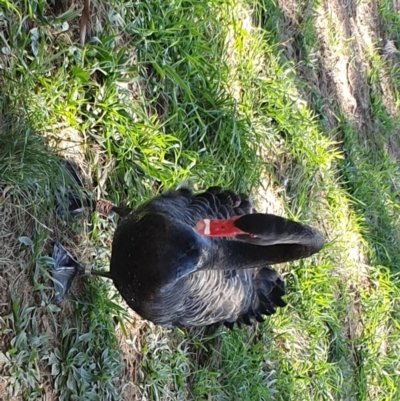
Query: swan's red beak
[{"x": 218, "y": 228}]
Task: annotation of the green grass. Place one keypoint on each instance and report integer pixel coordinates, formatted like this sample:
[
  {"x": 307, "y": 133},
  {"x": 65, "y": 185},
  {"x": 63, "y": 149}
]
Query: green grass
[{"x": 167, "y": 91}]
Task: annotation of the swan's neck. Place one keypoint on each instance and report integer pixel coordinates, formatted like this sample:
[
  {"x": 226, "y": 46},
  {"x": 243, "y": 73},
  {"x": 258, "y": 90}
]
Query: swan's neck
[{"x": 231, "y": 254}]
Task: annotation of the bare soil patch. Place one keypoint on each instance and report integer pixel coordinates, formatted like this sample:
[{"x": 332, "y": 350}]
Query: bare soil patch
[{"x": 347, "y": 33}]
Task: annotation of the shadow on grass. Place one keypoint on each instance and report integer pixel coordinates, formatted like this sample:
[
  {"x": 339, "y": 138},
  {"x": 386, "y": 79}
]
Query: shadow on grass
[{"x": 40, "y": 339}]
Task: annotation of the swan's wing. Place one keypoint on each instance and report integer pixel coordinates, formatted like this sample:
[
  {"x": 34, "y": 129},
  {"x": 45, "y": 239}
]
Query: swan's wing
[
  {"x": 214, "y": 297},
  {"x": 210, "y": 297},
  {"x": 190, "y": 208},
  {"x": 215, "y": 203}
]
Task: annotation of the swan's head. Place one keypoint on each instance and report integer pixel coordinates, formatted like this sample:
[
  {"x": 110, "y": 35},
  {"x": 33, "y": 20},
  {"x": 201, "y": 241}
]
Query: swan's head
[{"x": 261, "y": 229}]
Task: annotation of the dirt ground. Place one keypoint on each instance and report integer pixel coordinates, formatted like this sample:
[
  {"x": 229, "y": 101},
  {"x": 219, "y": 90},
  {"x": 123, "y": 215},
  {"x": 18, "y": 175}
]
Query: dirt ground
[{"x": 338, "y": 76}]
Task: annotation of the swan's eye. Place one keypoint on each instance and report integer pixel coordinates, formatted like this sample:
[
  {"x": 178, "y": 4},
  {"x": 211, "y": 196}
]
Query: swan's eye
[{"x": 252, "y": 235}]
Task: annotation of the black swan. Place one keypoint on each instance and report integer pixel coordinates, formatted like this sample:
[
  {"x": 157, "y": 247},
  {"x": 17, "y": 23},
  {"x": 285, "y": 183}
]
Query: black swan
[{"x": 184, "y": 259}]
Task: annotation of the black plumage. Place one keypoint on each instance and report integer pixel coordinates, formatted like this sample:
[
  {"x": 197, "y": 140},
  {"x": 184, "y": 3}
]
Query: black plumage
[{"x": 173, "y": 276}]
